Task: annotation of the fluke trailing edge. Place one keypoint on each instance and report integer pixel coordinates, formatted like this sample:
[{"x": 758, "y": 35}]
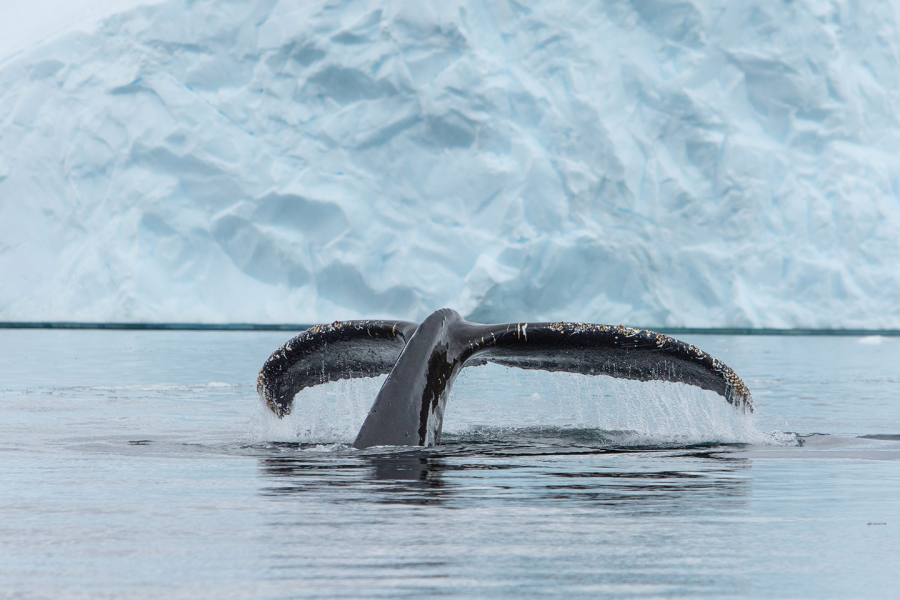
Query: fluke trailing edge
[{"x": 422, "y": 360}]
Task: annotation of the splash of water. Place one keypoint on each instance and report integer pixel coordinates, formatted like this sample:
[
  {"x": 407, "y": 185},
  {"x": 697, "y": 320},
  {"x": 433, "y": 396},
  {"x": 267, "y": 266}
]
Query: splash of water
[
  {"x": 498, "y": 399},
  {"x": 652, "y": 412},
  {"x": 324, "y": 414}
]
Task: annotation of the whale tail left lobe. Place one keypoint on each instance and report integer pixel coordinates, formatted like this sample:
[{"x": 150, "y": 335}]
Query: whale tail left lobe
[{"x": 341, "y": 350}]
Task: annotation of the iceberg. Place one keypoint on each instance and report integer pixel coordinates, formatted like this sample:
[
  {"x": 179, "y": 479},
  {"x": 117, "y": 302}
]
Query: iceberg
[{"x": 665, "y": 163}]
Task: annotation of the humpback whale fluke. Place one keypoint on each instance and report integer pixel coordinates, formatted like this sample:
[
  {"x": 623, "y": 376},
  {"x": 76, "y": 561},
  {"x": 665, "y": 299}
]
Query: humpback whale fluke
[{"x": 422, "y": 360}]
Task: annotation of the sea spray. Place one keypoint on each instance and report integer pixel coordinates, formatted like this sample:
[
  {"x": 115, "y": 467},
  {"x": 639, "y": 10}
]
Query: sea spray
[
  {"x": 499, "y": 399},
  {"x": 329, "y": 413},
  {"x": 654, "y": 412}
]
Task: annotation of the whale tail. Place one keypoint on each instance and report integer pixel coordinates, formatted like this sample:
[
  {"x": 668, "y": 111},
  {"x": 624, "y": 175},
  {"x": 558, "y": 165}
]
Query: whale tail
[
  {"x": 423, "y": 360},
  {"x": 340, "y": 350}
]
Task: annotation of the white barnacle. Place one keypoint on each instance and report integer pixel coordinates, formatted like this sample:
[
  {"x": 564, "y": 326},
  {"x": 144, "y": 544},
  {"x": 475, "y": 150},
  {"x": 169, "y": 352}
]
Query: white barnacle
[{"x": 523, "y": 331}]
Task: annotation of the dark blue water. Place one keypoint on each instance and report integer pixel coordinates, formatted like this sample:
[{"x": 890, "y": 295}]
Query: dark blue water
[{"x": 140, "y": 465}]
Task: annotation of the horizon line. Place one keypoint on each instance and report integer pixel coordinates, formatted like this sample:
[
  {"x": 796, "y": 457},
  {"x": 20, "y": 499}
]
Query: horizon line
[{"x": 111, "y": 325}]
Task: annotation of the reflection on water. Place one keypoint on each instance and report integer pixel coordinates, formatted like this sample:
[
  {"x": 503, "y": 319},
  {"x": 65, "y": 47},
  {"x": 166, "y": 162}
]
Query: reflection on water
[
  {"x": 634, "y": 480},
  {"x": 523, "y": 518},
  {"x": 414, "y": 476}
]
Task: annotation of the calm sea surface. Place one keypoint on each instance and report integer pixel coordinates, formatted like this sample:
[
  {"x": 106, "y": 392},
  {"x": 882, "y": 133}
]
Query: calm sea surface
[{"x": 141, "y": 465}]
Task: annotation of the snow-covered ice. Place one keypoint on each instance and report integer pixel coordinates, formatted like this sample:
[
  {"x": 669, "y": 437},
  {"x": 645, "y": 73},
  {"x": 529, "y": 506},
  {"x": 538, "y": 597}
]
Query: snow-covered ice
[{"x": 653, "y": 162}]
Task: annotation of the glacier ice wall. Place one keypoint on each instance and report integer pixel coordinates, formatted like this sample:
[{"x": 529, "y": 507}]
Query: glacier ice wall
[{"x": 652, "y": 162}]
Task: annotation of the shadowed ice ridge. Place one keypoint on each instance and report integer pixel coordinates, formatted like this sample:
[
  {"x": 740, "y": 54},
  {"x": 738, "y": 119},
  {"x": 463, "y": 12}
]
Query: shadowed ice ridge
[{"x": 493, "y": 402}]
